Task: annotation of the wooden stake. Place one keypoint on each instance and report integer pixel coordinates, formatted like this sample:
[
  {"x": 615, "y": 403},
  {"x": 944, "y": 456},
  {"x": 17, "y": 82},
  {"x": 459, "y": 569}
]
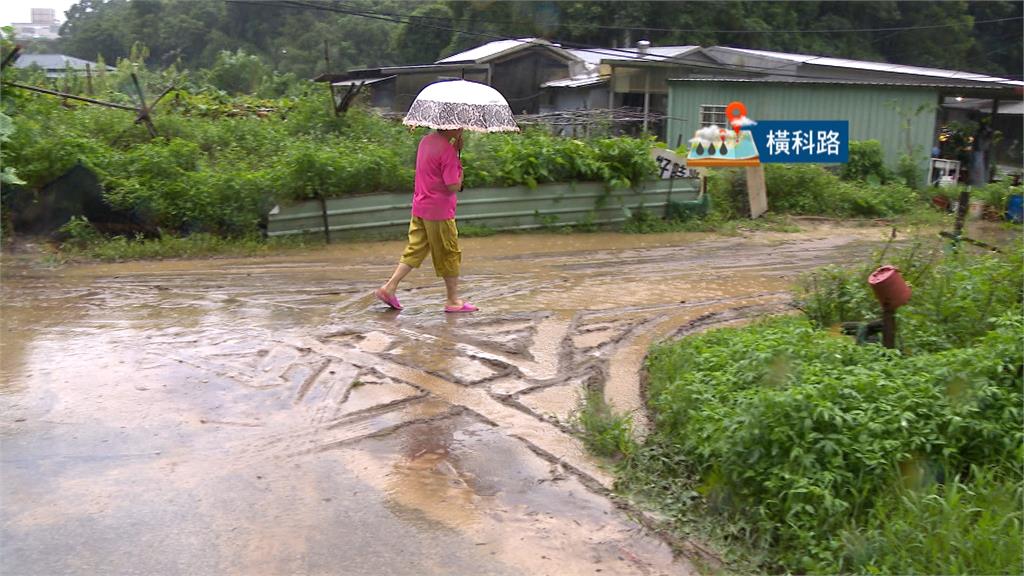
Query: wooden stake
[
  {"x": 757, "y": 192},
  {"x": 70, "y": 96},
  {"x": 888, "y": 328},
  {"x": 143, "y": 109},
  {"x": 323, "y": 211}
]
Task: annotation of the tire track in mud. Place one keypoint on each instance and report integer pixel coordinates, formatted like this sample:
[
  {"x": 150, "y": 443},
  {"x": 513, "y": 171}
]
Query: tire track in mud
[{"x": 299, "y": 366}]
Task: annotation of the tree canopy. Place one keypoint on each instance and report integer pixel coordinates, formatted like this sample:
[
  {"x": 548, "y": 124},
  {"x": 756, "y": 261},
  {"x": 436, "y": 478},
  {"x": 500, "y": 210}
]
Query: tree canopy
[{"x": 306, "y": 37}]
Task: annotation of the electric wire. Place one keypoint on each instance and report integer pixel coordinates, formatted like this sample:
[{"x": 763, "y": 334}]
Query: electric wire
[{"x": 775, "y": 71}]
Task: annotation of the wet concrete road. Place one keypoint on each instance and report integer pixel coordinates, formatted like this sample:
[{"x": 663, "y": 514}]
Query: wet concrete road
[{"x": 267, "y": 416}]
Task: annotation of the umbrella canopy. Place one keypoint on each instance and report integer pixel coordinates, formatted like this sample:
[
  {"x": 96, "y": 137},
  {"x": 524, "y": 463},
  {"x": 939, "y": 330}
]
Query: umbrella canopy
[{"x": 454, "y": 104}]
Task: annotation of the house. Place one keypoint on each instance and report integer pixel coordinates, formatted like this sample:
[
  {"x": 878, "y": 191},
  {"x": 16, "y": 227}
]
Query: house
[
  {"x": 516, "y": 68},
  {"x": 57, "y": 65},
  {"x": 534, "y": 75},
  {"x": 901, "y": 106},
  {"x": 675, "y": 90}
]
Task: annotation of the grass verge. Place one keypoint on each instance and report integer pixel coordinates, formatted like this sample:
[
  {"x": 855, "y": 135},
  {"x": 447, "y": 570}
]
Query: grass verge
[{"x": 120, "y": 248}]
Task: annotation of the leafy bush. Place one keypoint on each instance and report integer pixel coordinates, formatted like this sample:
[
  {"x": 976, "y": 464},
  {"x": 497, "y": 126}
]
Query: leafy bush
[
  {"x": 955, "y": 297},
  {"x": 810, "y": 189},
  {"x": 79, "y": 233},
  {"x": 909, "y": 170},
  {"x": 866, "y": 163},
  {"x": 995, "y": 194},
  {"x": 604, "y": 433},
  {"x": 536, "y": 157},
  {"x": 221, "y": 162},
  {"x": 797, "y": 434},
  {"x": 237, "y": 72},
  {"x": 960, "y": 528},
  {"x": 832, "y": 457}
]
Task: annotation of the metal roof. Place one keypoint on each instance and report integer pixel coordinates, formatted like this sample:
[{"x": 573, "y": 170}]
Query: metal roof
[
  {"x": 985, "y": 105},
  {"x": 357, "y": 81},
  {"x": 492, "y": 50},
  {"x": 576, "y": 82},
  {"x": 54, "y": 62},
  {"x": 653, "y": 54},
  {"x": 875, "y": 66},
  {"x": 812, "y": 80}
]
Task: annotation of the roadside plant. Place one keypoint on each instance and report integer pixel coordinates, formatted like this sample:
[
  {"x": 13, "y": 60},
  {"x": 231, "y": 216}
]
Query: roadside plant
[
  {"x": 604, "y": 433},
  {"x": 824, "y": 456}
]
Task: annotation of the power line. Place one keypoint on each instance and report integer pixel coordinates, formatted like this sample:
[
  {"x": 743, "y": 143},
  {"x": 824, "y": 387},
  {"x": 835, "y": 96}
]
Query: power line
[
  {"x": 893, "y": 31},
  {"x": 581, "y": 47},
  {"x": 703, "y": 30}
]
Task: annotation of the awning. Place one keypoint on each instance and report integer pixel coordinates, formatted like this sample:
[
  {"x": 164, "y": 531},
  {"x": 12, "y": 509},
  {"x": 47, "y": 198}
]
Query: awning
[
  {"x": 1012, "y": 107},
  {"x": 358, "y": 81},
  {"x": 575, "y": 82}
]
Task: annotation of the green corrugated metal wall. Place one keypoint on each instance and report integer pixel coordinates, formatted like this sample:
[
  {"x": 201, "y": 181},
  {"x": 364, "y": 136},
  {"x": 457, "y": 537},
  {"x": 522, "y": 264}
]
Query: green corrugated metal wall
[
  {"x": 514, "y": 208},
  {"x": 869, "y": 110}
]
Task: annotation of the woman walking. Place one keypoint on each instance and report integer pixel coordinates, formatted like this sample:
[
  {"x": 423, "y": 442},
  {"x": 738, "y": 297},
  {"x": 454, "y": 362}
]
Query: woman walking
[{"x": 432, "y": 229}]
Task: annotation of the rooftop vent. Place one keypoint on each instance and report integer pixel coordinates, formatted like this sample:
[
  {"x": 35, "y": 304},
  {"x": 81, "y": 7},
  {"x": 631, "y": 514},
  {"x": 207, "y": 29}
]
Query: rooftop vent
[{"x": 642, "y": 46}]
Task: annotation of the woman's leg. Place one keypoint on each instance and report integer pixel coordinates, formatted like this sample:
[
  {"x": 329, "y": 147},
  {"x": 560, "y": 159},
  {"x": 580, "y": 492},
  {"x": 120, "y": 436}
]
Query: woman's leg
[
  {"x": 451, "y": 287},
  {"x": 391, "y": 286},
  {"x": 443, "y": 237},
  {"x": 415, "y": 251}
]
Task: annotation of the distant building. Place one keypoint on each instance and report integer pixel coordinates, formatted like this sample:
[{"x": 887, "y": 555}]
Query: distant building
[
  {"x": 678, "y": 89},
  {"x": 44, "y": 25},
  {"x": 57, "y": 65}
]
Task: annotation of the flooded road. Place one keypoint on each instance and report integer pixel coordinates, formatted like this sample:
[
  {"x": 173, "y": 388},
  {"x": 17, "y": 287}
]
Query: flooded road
[{"x": 268, "y": 416}]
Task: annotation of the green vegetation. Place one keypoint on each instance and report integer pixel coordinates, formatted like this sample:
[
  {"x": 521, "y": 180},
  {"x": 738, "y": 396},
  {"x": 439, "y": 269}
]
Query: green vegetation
[
  {"x": 120, "y": 248},
  {"x": 297, "y": 37},
  {"x": 220, "y": 162},
  {"x": 804, "y": 452},
  {"x": 604, "y": 433},
  {"x": 866, "y": 163}
]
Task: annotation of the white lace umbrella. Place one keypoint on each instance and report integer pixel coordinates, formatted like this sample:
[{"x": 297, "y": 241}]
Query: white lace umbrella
[{"x": 454, "y": 104}]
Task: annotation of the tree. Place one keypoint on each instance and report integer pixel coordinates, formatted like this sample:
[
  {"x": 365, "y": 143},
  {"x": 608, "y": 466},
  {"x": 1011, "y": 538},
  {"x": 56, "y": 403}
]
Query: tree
[
  {"x": 237, "y": 72},
  {"x": 940, "y": 48},
  {"x": 290, "y": 37},
  {"x": 96, "y": 27},
  {"x": 422, "y": 39}
]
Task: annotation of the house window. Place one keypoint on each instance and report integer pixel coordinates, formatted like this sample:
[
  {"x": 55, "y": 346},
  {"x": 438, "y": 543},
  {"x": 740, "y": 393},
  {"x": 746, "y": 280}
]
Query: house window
[{"x": 712, "y": 114}]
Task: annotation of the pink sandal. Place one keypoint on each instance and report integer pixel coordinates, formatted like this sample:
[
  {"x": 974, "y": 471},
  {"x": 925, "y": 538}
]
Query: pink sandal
[
  {"x": 389, "y": 299},
  {"x": 466, "y": 307}
]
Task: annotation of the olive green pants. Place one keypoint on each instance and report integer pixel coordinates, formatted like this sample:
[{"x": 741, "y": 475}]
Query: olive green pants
[{"x": 439, "y": 238}]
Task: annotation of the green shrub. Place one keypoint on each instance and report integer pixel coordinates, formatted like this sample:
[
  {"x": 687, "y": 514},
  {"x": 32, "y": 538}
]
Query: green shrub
[
  {"x": 535, "y": 157},
  {"x": 830, "y": 457},
  {"x": 811, "y": 189},
  {"x": 909, "y": 170},
  {"x": 796, "y": 434},
  {"x": 954, "y": 300},
  {"x": 79, "y": 232},
  {"x": 237, "y": 72},
  {"x": 963, "y": 527},
  {"x": 866, "y": 163},
  {"x": 604, "y": 433},
  {"x": 994, "y": 194}
]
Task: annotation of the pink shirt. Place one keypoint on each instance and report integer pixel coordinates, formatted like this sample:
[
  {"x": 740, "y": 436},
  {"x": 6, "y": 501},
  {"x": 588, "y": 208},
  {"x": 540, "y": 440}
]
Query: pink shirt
[{"x": 437, "y": 166}]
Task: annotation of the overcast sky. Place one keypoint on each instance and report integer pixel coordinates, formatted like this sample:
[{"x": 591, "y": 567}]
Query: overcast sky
[{"x": 21, "y": 10}]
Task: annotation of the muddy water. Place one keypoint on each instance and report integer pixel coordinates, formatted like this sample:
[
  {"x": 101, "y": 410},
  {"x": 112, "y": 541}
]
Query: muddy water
[{"x": 267, "y": 416}]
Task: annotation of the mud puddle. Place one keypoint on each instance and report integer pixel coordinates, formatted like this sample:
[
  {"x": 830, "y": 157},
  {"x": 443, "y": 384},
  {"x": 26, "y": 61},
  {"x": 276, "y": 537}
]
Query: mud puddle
[{"x": 268, "y": 416}]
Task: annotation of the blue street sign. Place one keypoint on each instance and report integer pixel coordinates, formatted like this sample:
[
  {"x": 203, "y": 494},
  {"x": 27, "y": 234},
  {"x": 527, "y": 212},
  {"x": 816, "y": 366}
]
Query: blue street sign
[{"x": 792, "y": 141}]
